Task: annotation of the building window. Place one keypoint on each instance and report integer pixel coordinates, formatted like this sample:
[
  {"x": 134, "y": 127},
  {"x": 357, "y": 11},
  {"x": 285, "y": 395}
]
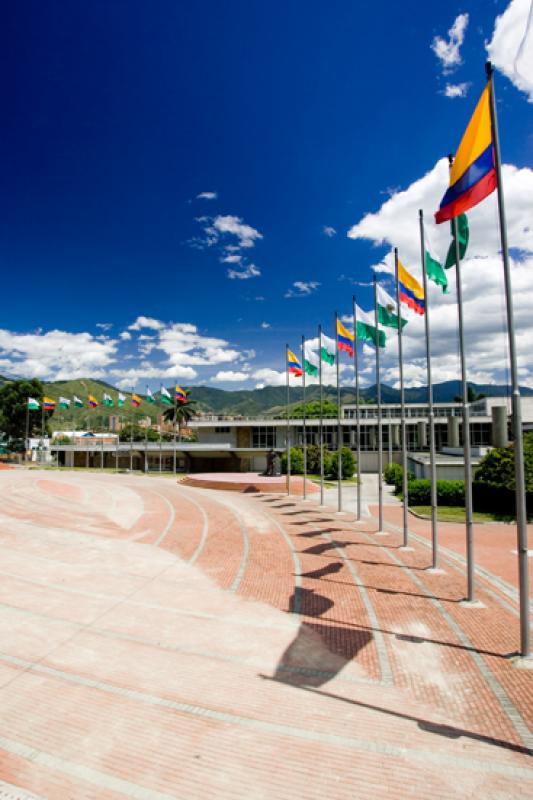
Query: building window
[
  {"x": 223, "y": 429},
  {"x": 263, "y": 437}
]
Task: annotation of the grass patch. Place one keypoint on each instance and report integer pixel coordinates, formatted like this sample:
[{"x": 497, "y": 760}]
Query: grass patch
[{"x": 457, "y": 514}]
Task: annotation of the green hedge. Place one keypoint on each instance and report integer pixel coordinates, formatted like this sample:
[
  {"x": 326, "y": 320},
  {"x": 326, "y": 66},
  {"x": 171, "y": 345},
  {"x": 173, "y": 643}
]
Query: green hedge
[
  {"x": 392, "y": 474},
  {"x": 449, "y": 493},
  {"x": 488, "y": 497},
  {"x": 349, "y": 463}
]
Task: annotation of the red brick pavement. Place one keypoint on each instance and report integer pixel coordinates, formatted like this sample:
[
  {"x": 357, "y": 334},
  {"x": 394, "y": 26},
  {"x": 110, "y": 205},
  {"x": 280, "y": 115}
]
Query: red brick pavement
[{"x": 166, "y": 642}]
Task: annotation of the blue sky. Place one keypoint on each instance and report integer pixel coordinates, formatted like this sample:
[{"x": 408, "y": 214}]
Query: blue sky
[{"x": 180, "y": 178}]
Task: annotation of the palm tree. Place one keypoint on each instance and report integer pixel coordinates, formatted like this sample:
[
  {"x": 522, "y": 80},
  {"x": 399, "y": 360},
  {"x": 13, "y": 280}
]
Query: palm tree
[{"x": 183, "y": 411}]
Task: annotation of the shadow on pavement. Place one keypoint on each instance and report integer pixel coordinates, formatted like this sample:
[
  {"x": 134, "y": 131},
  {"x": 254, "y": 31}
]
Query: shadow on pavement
[
  {"x": 436, "y": 728},
  {"x": 328, "y": 569}
]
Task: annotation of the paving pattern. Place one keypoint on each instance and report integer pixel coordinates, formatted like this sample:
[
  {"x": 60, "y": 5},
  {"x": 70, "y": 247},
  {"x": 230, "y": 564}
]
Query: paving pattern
[{"x": 159, "y": 641}]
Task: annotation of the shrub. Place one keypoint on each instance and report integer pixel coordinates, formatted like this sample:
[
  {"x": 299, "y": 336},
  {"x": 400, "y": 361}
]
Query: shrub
[
  {"x": 313, "y": 459},
  {"x": 449, "y": 493},
  {"x": 392, "y": 474},
  {"x": 297, "y": 461},
  {"x": 347, "y": 464}
]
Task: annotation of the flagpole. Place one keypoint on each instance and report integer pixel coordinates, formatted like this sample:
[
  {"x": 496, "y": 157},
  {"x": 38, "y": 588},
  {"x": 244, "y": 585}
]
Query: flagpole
[
  {"x": 131, "y": 429},
  {"x": 174, "y": 430},
  {"x": 520, "y": 491},
  {"x": 357, "y": 416},
  {"x": 405, "y": 477},
  {"x": 339, "y": 431},
  {"x": 380, "y": 433},
  {"x": 321, "y": 432},
  {"x": 466, "y": 424},
  {"x": 288, "y": 437},
  {"x": 27, "y": 428},
  {"x": 305, "y": 433},
  {"x": 432, "y": 459}
]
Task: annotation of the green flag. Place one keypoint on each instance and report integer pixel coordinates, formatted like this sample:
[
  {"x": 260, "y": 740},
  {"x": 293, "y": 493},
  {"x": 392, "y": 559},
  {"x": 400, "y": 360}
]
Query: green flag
[
  {"x": 310, "y": 361},
  {"x": 33, "y": 404},
  {"x": 328, "y": 348},
  {"x": 463, "y": 234},
  {"x": 149, "y": 396},
  {"x": 366, "y": 331},
  {"x": 435, "y": 272},
  {"x": 164, "y": 394},
  {"x": 107, "y": 401},
  {"x": 121, "y": 400},
  {"x": 64, "y": 403},
  {"x": 77, "y": 402},
  {"x": 387, "y": 310}
]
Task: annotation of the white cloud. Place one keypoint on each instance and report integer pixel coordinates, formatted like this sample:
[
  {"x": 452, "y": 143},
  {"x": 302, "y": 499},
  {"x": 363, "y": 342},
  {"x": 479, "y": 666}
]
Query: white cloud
[
  {"x": 265, "y": 325},
  {"x": 269, "y": 377},
  {"x": 453, "y": 90},
  {"x": 232, "y": 258},
  {"x": 511, "y": 48},
  {"x": 248, "y": 271},
  {"x": 329, "y": 231},
  {"x": 234, "y": 226},
  {"x": 448, "y": 52},
  {"x": 302, "y": 288},
  {"x": 146, "y": 322},
  {"x": 229, "y": 376},
  {"x": 125, "y": 336},
  {"x": 104, "y": 326},
  {"x": 136, "y": 375},
  {"x": 56, "y": 355},
  {"x": 207, "y": 196},
  {"x": 396, "y": 223}
]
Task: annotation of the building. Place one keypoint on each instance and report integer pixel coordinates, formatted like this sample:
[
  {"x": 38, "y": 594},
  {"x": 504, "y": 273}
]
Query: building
[{"x": 227, "y": 444}]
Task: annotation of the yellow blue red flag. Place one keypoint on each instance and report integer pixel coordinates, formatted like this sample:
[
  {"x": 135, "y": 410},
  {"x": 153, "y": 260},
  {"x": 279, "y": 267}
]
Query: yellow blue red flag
[
  {"x": 345, "y": 339},
  {"x": 411, "y": 293},
  {"x": 473, "y": 174},
  {"x": 293, "y": 364}
]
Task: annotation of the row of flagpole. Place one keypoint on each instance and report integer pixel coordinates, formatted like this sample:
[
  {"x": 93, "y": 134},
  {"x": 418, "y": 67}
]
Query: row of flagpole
[{"x": 474, "y": 175}]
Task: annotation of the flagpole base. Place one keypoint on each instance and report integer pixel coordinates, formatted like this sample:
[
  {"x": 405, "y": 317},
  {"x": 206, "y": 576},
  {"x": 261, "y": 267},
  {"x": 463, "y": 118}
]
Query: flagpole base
[
  {"x": 471, "y": 603},
  {"x": 522, "y": 662},
  {"x": 436, "y": 571},
  {"x": 381, "y": 533}
]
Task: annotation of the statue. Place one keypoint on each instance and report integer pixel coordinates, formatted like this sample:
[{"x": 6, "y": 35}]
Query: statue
[{"x": 270, "y": 465}]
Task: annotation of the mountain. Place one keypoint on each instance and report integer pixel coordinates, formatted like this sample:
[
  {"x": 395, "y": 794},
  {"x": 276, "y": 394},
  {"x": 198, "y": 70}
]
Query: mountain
[{"x": 268, "y": 401}]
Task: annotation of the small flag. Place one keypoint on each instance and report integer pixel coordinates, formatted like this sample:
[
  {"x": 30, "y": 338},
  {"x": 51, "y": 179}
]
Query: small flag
[
  {"x": 463, "y": 235},
  {"x": 328, "y": 348},
  {"x": 135, "y": 400},
  {"x": 387, "y": 310},
  {"x": 33, "y": 404},
  {"x": 311, "y": 361},
  {"x": 121, "y": 400},
  {"x": 92, "y": 402},
  {"x": 293, "y": 364},
  {"x": 107, "y": 400},
  {"x": 49, "y": 404},
  {"x": 77, "y": 402},
  {"x": 180, "y": 394},
  {"x": 473, "y": 174},
  {"x": 434, "y": 269},
  {"x": 64, "y": 403},
  {"x": 345, "y": 339},
  {"x": 366, "y": 329},
  {"x": 165, "y": 396},
  {"x": 411, "y": 293},
  {"x": 149, "y": 396}
]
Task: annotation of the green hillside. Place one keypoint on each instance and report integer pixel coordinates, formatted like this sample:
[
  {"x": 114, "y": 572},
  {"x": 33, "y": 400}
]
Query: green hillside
[{"x": 93, "y": 418}]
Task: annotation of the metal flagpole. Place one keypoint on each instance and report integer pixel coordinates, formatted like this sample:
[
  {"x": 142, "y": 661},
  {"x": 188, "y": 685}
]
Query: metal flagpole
[
  {"x": 288, "y": 437},
  {"x": 521, "y": 509},
  {"x": 432, "y": 459},
  {"x": 466, "y": 425},
  {"x": 405, "y": 481},
  {"x": 27, "y": 429},
  {"x": 304, "y": 414},
  {"x": 174, "y": 430},
  {"x": 339, "y": 430},
  {"x": 321, "y": 430},
  {"x": 380, "y": 433},
  {"x": 131, "y": 429},
  {"x": 357, "y": 413}
]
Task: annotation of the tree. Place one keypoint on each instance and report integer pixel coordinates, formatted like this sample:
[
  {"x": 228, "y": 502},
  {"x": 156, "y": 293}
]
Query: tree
[
  {"x": 312, "y": 409},
  {"x": 13, "y": 410},
  {"x": 348, "y": 464},
  {"x": 138, "y": 434},
  {"x": 297, "y": 461},
  {"x": 184, "y": 411},
  {"x": 497, "y": 467},
  {"x": 471, "y": 395}
]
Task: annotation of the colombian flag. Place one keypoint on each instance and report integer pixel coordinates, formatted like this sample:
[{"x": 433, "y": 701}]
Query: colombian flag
[
  {"x": 49, "y": 404},
  {"x": 411, "y": 293},
  {"x": 92, "y": 402},
  {"x": 135, "y": 400},
  {"x": 180, "y": 394},
  {"x": 293, "y": 364},
  {"x": 473, "y": 174},
  {"x": 345, "y": 339}
]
